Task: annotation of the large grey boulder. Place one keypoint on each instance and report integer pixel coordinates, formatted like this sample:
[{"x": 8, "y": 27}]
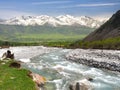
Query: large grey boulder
[{"x": 81, "y": 85}]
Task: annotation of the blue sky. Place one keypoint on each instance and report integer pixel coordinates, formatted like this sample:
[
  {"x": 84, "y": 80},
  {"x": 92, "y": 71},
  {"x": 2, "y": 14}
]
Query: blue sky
[{"x": 92, "y": 8}]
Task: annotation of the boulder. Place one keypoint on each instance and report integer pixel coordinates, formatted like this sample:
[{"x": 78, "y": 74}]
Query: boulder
[
  {"x": 71, "y": 87},
  {"x": 81, "y": 85},
  {"x": 15, "y": 65},
  {"x": 90, "y": 79},
  {"x": 77, "y": 86},
  {"x": 7, "y": 55},
  {"x": 38, "y": 79}
]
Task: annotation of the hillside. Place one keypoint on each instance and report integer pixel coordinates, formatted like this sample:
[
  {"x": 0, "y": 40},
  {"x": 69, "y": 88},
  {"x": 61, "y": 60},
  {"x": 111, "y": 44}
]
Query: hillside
[
  {"x": 38, "y": 33},
  {"x": 43, "y": 28},
  {"x": 105, "y": 37},
  {"x": 110, "y": 29}
]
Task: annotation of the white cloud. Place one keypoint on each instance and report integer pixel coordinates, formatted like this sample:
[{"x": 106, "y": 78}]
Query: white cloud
[
  {"x": 50, "y": 2},
  {"x": 6, "y": 14},
  {"x": 90, "y": 5},
  {"x": 97, "y": 5}
]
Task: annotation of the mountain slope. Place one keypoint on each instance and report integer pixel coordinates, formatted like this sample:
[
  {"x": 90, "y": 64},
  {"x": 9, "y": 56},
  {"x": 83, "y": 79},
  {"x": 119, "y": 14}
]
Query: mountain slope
[
  {"x": 62, "y": 20},
  {"x": 46, "y": 28},
  {"x": 110, "y": 29},
  {"x": 38, "y": 33}
]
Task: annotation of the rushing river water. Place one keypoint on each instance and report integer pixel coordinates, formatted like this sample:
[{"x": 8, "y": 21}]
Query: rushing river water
[{"x": 60, "y": 73}]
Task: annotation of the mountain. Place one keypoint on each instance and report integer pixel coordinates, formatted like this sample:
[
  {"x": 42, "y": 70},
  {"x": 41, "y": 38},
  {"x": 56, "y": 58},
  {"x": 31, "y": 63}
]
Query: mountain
[
  {"x": 110, "y": 29},
  {"x": 62, "y": 20},
  {"x": 46, "y": 28}
]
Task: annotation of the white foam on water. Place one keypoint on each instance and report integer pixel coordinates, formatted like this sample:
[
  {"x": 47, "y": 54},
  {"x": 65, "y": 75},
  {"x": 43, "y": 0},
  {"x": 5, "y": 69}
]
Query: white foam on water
[
  {"x": 25, "y": 60},
  {"x": 55, "y": 58},
  {"x": 3, "y": 51},
  {"x": 58, "y": 66},
  {"x": 65, "y": 74},
  {"x": 104, "y": 79},
  {"x": 40, "y": 67},
  {"x": 30, "y": 64},
  {"x": 58, "y": 83},
  {"x": 26, "y": 52},
  {"x": 98, "y": 85},
  {"x": 60, "y": 69},
  {"x": 93, "y": 71}
]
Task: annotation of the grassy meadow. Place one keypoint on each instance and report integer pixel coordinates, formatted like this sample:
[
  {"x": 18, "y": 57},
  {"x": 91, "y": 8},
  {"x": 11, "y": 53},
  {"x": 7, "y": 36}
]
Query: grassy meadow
[{"x": 13, "y": 78}]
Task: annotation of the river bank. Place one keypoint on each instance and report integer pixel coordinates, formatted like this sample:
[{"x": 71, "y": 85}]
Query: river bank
[
  {"x": 107, "y": 59},
  {"x": 60, "y": 72},
  {"x": 14, "y": 78},
  {"x": 22, "y": 55}
]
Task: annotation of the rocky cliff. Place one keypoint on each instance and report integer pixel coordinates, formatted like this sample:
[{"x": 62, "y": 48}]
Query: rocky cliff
[{"x": 110, "y": 29}]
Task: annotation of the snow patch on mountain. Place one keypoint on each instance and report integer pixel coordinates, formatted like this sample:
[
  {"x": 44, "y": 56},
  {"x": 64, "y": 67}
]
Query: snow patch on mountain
[{"x": 54, "y": 21}]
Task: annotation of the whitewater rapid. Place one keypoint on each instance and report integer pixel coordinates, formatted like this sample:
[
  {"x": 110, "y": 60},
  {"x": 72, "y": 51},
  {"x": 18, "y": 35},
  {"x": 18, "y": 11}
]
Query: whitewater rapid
[
  {"x": 60, "y": 72},
  {"x": 24, "y": 53}
]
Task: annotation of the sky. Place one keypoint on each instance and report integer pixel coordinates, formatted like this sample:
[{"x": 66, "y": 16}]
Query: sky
[{"x": 99, "y": 9}]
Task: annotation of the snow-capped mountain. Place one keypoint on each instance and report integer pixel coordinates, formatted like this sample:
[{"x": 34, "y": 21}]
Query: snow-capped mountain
[{"x": 54, "y": 21}]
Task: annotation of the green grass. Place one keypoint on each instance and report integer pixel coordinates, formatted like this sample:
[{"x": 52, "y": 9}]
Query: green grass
[
  {"x": 46, "y": 40},
  {"x": 42, "y": 38},
  {"x": 18, "y": 33},
  {"x": 51, "y": 36},
  {"x": 63, "y": 44},
  {"x": 110, "y": 43},
  {"x": 14, "y": 79}
]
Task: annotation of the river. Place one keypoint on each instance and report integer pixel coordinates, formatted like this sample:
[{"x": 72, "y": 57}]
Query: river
[{"x": 60, "y": 72}]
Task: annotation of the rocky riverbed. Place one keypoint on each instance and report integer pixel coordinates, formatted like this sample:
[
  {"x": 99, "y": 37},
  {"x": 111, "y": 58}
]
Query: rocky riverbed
[{"x": 108, "y": 59}]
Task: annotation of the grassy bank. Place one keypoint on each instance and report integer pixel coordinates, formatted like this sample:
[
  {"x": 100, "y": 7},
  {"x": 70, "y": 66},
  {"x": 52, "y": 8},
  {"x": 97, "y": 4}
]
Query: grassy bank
[
  {"x": 59, "y": 43},
  {"x": 14, "y": 79},
  {"x": 110, "y": 43}
]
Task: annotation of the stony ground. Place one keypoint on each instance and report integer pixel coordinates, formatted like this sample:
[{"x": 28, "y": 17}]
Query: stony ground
[{"x": 109, "y": 59}]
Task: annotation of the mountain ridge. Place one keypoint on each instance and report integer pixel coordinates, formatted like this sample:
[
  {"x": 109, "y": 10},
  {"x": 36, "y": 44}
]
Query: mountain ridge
[
  {"x": 62, "y": 20},
  {"x": 110, "y": 29}
]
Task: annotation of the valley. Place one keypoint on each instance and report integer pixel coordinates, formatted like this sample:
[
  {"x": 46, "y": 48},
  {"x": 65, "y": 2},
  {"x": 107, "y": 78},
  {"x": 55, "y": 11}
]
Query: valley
[{"x": 42, "y": 34}]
